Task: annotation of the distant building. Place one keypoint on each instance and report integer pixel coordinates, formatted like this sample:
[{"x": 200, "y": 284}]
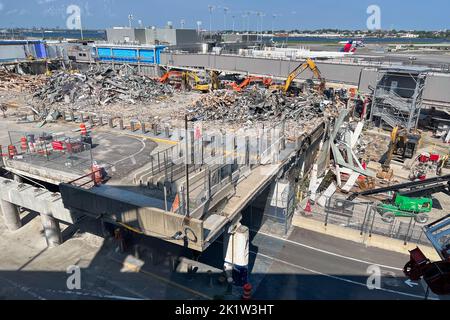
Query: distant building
[
  {"x": 123, "y": 35},
  {"x": 239, "y": 38},
  {"x": 179, "y": 39}
]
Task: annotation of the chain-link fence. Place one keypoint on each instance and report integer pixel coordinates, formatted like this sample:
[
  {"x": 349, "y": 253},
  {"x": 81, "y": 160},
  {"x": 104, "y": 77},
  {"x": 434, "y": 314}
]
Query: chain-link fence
[
  {"x": 51, "y": 150},
  {"x": 368, "y": 219}
]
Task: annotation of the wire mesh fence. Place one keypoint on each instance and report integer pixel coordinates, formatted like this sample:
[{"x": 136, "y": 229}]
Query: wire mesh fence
[
  {"x": 368, "y": 220},
  {"x": 51, "y": 150}
]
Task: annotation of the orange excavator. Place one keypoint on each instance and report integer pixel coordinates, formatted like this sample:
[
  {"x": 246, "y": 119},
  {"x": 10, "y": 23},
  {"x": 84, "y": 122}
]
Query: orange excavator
[
  {"x": 249, "y": 80},
  {"x": 171, "y": 74}
]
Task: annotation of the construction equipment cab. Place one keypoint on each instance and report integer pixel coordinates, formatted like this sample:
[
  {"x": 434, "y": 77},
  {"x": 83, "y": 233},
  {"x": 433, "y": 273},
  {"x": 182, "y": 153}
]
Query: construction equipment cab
[
  {"x": 250, "y": 80},
  {"x": 403, "y": 144},
  {"x": 406, "y": 143},
  {"x": 308, "y": 64},
  {"x": 194, "y": 82},
  {"x": 170, "y": 75}
]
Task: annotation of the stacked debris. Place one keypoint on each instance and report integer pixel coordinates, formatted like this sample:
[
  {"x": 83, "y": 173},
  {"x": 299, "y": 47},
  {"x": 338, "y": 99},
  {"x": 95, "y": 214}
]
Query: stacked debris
[
  {"x": 258, "y": 104},
  {"x": 10, "y": 81},
  {"x": 100, "y": 86}
]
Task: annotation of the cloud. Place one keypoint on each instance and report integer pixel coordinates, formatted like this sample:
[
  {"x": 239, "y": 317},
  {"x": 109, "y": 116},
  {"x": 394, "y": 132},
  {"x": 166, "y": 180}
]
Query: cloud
[
  {"x": 17, "y": 12},
  {"x": 45, "y": 1},
  {"x": 1, "y": 6}
]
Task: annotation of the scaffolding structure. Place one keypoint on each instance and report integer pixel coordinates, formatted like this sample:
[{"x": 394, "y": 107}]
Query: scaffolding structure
[{"x": 397, "y": 97}]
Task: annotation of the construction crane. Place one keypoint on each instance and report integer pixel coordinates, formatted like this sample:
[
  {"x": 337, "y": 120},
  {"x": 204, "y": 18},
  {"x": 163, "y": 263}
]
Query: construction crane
[
  {"x": 249, "y": 80},
  {"x": 308, "y": 64}
]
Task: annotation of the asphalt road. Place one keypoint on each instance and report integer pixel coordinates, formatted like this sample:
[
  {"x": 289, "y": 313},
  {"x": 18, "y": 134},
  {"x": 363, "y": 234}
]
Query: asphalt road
[{"x": 308, "y": 265}]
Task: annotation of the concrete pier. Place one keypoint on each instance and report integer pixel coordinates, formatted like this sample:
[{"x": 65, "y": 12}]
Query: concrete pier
[
  {"x": 51, "y": 229},
  {"x": 17, "y": 178},
  {"x": 11, "y": 215}
]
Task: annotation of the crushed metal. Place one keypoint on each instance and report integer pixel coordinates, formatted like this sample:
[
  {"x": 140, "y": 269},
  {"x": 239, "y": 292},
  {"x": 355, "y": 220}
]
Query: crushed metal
[
  {"x": 259, "y": 104},
  {"x": 100, "y": 86}
]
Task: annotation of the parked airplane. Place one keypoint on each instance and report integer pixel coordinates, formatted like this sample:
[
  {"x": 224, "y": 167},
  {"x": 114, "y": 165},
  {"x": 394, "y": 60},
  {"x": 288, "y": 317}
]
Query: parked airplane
[{"x": 351, "y": 45}]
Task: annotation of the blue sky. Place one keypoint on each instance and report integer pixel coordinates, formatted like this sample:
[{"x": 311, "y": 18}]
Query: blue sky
[{"x": 291, "y": 14}]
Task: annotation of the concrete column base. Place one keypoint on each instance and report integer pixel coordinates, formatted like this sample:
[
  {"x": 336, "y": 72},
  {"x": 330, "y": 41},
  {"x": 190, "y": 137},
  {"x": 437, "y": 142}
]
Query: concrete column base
[
  {"x": 11, "y": 215},
  {"x": 52, "y": 230}
]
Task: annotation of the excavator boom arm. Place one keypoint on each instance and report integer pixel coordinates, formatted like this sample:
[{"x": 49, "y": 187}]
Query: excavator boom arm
[{"x": 308, "y": 64}]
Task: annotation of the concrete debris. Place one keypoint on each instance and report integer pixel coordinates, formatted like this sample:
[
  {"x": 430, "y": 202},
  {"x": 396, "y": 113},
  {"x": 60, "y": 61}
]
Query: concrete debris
[
  {"x": 259, "y": 104},
  {"x": 100, "y": 86},
  {"x": 10, "y": 81}
]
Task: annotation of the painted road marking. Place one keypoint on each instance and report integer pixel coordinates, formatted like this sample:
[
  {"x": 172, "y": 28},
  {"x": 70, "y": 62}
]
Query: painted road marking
[
  {"x": 24, "y": 289},
  {"x": 410, "y": 283},
  {"x": 326, "y": 252},
  {"x": 337, "y": 278}
]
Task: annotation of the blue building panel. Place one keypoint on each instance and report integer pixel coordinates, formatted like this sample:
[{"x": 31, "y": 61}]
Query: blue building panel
[
  {"x": 130, "y": 54},
  {"x": 41, "y": 52},
  {"x": 147, "y": 55},
  {"x": 125, "y": 55},
  {"x": 105, "y": 54}
]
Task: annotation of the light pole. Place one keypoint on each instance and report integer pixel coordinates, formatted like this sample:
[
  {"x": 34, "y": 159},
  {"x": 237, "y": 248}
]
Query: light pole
[
  {"x": 274, "y": 16},
  {"x": 243, "y": 22},
  {"x": 210, "y": 8},
  {"x": 258, "y": 15},
  {"x": 81, "y": 27},
  {"x": 248, "y": 25},
  {"x": 262, "y": 21},
  {"x": 225, "y": 11},
  {"x": 130, "y": 19}
]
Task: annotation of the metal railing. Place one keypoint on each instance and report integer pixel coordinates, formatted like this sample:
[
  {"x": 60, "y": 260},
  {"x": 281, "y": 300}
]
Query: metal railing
[
  {"x": 58, "y": 151},
  {"x": 367, "y": 218}
]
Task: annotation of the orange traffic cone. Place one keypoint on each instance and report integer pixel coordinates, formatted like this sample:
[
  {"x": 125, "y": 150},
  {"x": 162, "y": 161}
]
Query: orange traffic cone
[
  {"x": 308, "y": 208},
  {"x": 83, "y": 129},
  {"x": 247, "y": 292}
]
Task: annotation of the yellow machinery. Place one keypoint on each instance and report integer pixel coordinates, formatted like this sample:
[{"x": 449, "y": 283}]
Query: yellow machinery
[
  {"x": 249, "y": 80},
  {"x": 444, "y": 162},
  {"x": 215, "y": 82},
  {"x": 403, "y": 144},
  {"x": 308, "y": 64},
  {"x": 198, "y": 85},
  {"x": 187, "y": 79}
]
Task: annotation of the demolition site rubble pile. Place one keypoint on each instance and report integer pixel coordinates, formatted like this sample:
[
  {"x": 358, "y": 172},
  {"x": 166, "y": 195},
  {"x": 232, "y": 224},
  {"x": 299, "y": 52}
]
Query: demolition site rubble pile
[
  {"x": 100, "y": 86},
  {"x": 260, "y": 105},
  {"x": 10, "y": 81}
]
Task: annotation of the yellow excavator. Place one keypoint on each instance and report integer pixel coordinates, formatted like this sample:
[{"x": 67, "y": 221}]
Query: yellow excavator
[
  {"x": 198, "y": 84},
  {"x": 308, "y": 64},
  {"x": 403, "y": 144}
]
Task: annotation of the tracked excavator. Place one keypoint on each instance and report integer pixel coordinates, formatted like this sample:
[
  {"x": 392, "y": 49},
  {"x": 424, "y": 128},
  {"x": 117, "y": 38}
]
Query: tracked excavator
[{"x": 308, "y": 64}]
